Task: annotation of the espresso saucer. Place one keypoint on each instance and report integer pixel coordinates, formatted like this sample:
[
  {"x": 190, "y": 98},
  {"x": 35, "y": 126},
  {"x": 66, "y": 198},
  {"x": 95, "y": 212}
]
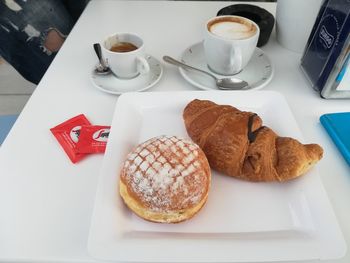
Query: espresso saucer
[
  {"x": 258, "y": 72},
  {"x": 114, "y": 85}
]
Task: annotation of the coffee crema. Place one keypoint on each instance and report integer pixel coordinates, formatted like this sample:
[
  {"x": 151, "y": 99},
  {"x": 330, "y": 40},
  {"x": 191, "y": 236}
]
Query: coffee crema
[
  {"x": 232, "y": 28},
  {"x": 123, "y": 47}
]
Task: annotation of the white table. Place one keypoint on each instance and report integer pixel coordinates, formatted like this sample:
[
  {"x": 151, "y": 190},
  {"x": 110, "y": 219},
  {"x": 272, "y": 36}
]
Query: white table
[{"x": 46, "y": 202}]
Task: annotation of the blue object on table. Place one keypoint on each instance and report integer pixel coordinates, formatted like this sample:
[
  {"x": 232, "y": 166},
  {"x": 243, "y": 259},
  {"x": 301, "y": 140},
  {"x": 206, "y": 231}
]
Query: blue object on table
[
  {"x": 338, "y": 128},
  {"x": 6, "y": 123}
]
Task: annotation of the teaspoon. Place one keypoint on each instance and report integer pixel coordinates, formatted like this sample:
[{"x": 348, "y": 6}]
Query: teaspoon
[
  {"x": 230, "y": 83},
  {"x": 102, "y": 68}
]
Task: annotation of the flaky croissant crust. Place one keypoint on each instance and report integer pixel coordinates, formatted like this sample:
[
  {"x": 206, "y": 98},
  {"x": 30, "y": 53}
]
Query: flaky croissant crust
[{"x": 236, "y": 144}]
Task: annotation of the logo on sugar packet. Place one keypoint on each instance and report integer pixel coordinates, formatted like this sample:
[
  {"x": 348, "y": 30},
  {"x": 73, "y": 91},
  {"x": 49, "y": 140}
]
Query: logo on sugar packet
[
  {"x": 74, "y": 133},
  {"x": 101, "y": 135}
]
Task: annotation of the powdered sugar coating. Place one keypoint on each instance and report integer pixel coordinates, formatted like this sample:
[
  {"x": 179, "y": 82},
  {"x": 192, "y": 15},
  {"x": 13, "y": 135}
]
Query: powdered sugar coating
[{"x": 173, "y": 174}]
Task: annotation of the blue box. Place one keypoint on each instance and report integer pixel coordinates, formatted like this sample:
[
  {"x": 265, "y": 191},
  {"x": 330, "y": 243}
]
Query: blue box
[
  {"x": 327, "y": 47},
  {"x": 338, "y": 128}
]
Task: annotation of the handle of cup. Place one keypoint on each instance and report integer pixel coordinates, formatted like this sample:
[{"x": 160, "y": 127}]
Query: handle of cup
[{"x": 142, "y": 65}]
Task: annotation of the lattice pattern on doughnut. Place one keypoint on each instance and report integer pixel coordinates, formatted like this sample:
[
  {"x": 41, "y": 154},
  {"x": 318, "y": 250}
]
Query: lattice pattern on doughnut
[{"x": 163, "y": 169}]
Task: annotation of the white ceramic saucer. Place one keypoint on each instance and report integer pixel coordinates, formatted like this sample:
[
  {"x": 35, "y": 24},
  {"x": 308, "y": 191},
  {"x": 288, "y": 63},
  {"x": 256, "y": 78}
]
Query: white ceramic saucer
[
  {"x": 257, "y": 73},
  {"x": 113, "y": 85}
]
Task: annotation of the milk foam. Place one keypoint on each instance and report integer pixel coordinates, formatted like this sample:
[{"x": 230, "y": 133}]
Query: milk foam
[{"x": 232, "y": 30}]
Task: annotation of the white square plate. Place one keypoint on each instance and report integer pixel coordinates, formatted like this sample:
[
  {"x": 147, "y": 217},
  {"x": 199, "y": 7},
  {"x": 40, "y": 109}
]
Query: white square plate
[{"x": 242, "y": 221}]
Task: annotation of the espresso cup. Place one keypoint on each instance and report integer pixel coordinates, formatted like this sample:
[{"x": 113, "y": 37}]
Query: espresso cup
[
  {"x": 229, "y": 43},
  {"x": 125, "y": 55}
]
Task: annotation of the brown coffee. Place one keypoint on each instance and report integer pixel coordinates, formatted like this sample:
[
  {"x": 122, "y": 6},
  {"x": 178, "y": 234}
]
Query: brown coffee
[
  {"x": 232, "y": 27},
  {"x": 123, "y": 47}
]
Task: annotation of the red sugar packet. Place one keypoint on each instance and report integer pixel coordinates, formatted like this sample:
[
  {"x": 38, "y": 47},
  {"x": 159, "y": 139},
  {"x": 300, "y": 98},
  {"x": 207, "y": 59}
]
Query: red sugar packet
[
  {"x": 93, "y": 139},
  {"x": 67, "y": 134}
]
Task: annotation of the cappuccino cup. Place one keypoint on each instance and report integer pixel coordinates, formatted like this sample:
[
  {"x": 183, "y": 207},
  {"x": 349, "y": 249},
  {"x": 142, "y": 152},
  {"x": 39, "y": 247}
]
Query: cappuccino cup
[
  {"x": 125, "y": 55},
  {"x": 229, "y": 43}
]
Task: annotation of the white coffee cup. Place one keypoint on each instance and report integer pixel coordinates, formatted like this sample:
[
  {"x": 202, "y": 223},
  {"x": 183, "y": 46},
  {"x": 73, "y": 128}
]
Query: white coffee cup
[
  {"x": 125, "y": 55},
  {"x": 229, "y": 43}
]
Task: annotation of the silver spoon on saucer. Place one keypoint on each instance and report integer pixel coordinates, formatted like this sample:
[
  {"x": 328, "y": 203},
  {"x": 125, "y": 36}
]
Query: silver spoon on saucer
[
  {"x": 229, "y": 83},
  {"x": 102, "y": 68}
]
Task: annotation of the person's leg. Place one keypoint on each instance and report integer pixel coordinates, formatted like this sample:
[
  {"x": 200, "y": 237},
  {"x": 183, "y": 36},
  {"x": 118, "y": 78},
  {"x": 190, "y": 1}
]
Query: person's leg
[{"x": 31, "y": 33}]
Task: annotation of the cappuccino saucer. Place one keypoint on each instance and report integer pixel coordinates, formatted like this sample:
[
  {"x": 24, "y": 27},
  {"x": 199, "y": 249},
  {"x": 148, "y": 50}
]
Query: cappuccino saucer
[
  {"x": 258, "y": 72},
  {"x": 114, "y": 85}
]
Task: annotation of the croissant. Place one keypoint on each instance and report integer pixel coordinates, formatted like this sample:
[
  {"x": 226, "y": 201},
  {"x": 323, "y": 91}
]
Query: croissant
[{"x": 237, "y": 144}]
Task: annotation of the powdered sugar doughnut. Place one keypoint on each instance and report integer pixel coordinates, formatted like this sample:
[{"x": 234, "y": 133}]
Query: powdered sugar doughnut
[{"x": 165, "y": 179}]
